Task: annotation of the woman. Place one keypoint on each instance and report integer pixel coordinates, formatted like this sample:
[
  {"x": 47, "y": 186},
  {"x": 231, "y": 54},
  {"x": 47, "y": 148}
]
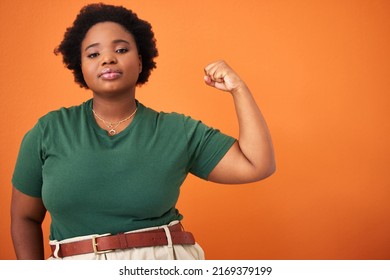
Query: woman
[{"x": 109, "y": 170}]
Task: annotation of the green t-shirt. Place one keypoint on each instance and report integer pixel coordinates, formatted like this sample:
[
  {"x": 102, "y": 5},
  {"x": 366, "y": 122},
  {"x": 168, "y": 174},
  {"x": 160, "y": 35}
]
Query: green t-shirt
[{"x": 92, "y": 183}]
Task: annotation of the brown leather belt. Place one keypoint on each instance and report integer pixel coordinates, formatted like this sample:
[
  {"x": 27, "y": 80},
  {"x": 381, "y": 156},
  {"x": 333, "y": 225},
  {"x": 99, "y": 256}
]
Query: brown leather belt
[{"x": 103, "y": 244}]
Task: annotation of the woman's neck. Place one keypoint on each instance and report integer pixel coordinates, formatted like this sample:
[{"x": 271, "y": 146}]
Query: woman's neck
[{"x": 114, "y": 109}]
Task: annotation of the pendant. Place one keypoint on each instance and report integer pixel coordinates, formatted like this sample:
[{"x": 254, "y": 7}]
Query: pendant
[{"x": 112, "y": 132}]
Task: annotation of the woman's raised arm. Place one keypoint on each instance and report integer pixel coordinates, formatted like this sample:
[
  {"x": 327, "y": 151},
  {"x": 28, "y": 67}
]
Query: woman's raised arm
[{"x": 251, "y": 158}]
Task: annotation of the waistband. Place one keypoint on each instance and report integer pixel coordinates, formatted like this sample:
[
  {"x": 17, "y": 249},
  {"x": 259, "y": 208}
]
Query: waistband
[{"x": 100, "y": 244}]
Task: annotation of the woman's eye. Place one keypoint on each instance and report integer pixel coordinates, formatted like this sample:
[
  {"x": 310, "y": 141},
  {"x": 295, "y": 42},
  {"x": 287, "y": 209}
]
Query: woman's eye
[
  {"x": 93, "y": 55},
  {"x": 122, "y": 50}
]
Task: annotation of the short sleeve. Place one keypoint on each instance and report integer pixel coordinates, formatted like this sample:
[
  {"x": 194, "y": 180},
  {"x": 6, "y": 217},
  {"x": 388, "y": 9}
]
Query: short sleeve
[
  {"x": 27, "y": 176},
  {"x": 206, "y": 147}
]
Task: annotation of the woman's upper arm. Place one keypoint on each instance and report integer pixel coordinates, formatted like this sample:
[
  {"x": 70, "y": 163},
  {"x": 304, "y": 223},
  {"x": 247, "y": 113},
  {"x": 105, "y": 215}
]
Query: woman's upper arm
[
  {"x": 235, "y": 168},
  {"x": 27, "y": 207}
]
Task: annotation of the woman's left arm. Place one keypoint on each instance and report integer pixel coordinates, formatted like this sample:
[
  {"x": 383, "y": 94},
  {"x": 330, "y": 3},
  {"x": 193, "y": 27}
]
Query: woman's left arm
[{"x": 251, "y": 158}]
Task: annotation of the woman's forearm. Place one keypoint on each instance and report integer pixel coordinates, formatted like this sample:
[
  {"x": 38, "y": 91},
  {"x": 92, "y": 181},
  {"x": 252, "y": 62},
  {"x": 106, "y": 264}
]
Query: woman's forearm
[{"x": 254, "y": 137}]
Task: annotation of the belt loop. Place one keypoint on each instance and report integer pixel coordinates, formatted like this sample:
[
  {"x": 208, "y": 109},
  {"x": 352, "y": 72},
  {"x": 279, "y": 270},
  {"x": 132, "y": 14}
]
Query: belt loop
[
  {"x": 56, "y": 250},
  {"x": 168, "y": 234}
]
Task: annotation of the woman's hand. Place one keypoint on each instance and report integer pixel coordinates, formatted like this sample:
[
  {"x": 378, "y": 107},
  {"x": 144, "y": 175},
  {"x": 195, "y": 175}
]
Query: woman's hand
[{"x": 221, "y": 76}]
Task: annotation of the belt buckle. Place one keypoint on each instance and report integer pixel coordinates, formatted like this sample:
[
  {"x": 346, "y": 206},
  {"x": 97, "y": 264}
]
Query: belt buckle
[{"x": 94, "y": 244}]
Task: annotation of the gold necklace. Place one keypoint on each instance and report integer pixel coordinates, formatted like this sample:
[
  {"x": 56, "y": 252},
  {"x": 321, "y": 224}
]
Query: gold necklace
[{"x": 112, "y": 126}]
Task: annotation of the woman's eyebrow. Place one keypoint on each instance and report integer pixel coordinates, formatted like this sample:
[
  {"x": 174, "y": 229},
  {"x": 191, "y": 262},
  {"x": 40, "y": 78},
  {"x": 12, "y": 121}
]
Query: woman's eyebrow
[
  {"x": 114, "y": 42},
  {"x": 120, "y": 41},
  {"x": 91, "y": 46}
]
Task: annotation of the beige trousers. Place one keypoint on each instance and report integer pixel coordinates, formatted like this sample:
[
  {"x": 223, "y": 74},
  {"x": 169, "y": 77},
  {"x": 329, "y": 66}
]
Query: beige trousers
[{"x": 168, "y": 252}]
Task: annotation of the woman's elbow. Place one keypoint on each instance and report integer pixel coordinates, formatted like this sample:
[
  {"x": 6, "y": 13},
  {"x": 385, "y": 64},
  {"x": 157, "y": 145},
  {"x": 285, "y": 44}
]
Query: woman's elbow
[{"x": 264, "y": 172}]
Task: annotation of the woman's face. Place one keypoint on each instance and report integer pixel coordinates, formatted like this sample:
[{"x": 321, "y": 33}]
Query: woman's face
[{"x": 109, "y": 59}]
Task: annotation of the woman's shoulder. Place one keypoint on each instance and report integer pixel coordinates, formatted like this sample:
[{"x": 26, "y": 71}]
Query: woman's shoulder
[
  {"x": 161, "y": 115},
  {"x": 66, "y": 113},
  {"x": 162, "y": 120}
]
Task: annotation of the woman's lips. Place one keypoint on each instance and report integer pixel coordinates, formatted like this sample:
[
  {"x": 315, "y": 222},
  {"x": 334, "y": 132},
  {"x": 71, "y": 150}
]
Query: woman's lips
[{"x": 110, "y": 74}]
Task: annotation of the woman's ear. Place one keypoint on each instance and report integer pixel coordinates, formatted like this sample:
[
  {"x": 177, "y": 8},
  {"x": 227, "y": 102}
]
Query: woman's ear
[{"x": 140, "y": 63}]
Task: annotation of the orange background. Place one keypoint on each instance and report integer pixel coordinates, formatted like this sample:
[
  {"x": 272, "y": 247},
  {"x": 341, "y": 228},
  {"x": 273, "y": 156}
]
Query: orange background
[{"x": 319, "y": 71}]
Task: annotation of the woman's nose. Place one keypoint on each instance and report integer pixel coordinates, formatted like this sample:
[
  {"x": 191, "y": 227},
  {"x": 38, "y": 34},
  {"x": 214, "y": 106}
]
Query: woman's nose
[{"x": 108, "y": 58}]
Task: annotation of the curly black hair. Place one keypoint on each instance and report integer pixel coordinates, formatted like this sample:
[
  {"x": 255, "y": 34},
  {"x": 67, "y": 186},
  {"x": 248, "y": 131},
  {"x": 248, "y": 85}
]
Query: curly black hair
[{"x": 91, "y": 14}]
